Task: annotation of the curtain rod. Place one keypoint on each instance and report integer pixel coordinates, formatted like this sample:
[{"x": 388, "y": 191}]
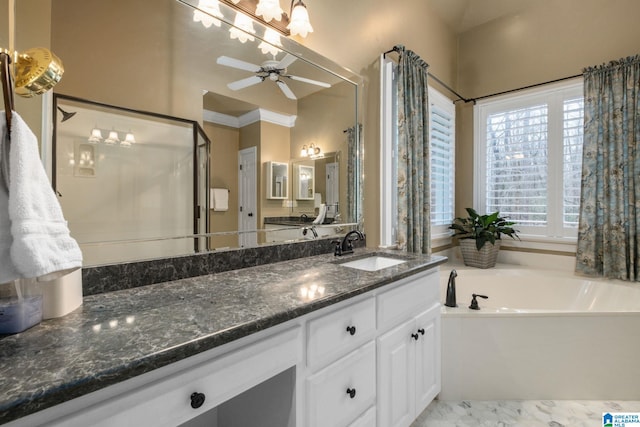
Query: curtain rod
[
  {"x": 443, "y": 84},
  {"x": 467, "y": 100},
  {"x": 524, "y": 87}
]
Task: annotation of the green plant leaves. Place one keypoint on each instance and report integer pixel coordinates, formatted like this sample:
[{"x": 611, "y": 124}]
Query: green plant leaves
[{"x": 483, "y": 228}]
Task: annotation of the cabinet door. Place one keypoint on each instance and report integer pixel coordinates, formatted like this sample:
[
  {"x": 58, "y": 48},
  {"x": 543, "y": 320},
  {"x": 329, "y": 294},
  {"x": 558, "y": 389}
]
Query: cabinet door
[
  {"x": 427, "y": 375},
  {"x": 396, "y": 383}
]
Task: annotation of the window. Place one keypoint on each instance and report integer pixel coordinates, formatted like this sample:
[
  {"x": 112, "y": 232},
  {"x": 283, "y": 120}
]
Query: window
[
  {"x": 529, "y": 158},
  {"x": 442, "y": 151}
]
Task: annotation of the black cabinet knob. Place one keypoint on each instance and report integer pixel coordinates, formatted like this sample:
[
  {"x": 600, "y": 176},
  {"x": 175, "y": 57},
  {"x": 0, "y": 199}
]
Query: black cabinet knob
[
  {"x": 351, "y": 330},
  {"x": 197, "y": 399},
  {"x": 415, "y": 336},
  {"x": 421, "y": 330},
  {"x": 351, "y": 392}
]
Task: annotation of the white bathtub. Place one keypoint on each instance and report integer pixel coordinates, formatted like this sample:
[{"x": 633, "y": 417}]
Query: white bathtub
[{"x": 540, "y": 335}]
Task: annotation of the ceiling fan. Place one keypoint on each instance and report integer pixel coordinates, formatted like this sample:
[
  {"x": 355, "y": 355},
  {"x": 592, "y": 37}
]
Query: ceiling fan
[{"x": 273, "y": 70}]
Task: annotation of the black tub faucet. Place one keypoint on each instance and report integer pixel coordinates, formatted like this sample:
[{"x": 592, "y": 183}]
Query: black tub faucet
[
  {"x": 451, "y": 290},
  {"x": 474, "y": 302}
]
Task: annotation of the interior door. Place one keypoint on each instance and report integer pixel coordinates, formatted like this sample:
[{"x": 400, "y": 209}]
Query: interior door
[{"x": 247, "y": 198}]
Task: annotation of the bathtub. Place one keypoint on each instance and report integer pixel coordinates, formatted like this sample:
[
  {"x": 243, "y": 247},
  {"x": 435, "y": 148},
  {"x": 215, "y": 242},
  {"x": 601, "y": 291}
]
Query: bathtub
[{"x": 540, "y": 335}]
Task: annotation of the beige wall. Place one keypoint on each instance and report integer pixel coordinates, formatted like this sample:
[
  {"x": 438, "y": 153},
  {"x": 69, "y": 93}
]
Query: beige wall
[
  {"x": 225, "y": 143},
  {"x": 32, "y": 29},
  {"x": 354, "y": 34},
  {"x": 551, "y": 40},
  {"x": 274, "y": 147}
]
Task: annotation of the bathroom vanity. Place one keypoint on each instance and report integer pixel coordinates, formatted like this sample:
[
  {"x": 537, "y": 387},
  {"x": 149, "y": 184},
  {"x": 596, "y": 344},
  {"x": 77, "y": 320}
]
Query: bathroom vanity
[{"x": 307, "y": 342}]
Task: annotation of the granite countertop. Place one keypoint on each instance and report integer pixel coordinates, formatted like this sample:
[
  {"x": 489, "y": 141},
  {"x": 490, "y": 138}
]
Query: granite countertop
[{"x": 117, "y": 335}]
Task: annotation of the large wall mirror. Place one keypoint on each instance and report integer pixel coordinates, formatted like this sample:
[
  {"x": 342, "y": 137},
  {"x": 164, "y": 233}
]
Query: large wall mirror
[{"x": 254, "y": 103}]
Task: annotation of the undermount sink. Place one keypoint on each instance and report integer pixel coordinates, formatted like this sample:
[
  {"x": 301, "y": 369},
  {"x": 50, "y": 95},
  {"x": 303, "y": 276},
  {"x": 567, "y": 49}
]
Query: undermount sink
[{"x": 373, "y": 263}]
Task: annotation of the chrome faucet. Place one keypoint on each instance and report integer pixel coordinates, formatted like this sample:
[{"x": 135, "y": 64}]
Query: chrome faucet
[
  {"x": 451, "y": 290},
  {"x": 313, "y": 230},
  {"x": 345, "y": 246}
]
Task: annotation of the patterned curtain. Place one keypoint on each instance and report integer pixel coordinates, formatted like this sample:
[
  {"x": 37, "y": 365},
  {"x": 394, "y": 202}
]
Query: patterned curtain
[
  {"x": 354, "y": 174},
  {"x": 414, "y": 211},
  {"x": 608, "y": 235}
]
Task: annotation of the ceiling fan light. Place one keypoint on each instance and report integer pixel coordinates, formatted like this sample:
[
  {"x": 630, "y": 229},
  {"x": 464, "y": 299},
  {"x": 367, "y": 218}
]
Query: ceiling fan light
[
  {"x": 271, "y": 40},
  {"x": 242, "y": 28},
  {"x": 269, "y": 9},
  {"x": 208, "y": 13},
  {"x": 299, "y": 24}
]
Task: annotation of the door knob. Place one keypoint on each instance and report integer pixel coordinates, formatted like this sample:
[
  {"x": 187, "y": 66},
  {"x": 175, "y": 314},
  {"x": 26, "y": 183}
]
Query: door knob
[
  {"x": 250, "y": 214},
  {"x": 421, "y": 330},
  {"x": 351, "y": 330},
  {"x": 351, "y": 392},
  {"x": 415, "y": 336}
]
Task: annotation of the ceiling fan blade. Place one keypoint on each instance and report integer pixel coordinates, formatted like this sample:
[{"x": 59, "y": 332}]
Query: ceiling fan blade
[
  {"x": 306, "y": 80},
  {"x": 286, "y": 61},
  {"x": 241, "y": 84},
  {"x": 286, "y": 90},
  {"x": 236, "y": 63}
]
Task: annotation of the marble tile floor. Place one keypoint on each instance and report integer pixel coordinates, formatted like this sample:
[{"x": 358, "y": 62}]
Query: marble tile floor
[{"x": 520, "y": 413}]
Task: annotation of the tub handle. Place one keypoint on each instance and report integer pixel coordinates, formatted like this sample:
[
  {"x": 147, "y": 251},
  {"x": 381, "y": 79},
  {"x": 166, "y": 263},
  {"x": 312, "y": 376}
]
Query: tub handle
[{"x": 474, "y": 302}]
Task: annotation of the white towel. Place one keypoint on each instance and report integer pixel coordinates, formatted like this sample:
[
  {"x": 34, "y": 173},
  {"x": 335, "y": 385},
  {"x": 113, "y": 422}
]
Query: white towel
[
  {"x": 322, "y": 211},
  {"x": 220, "y": 199},
  {"x": 8, "y": 272},
  {"x": 42, "y": 247}
]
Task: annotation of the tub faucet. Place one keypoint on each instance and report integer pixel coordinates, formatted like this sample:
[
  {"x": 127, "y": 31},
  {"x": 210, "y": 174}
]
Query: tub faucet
[
  {"x": 345, "y": 246},
  {"x": 474, "y": 302},
  {"x": 451, "y": 290}
]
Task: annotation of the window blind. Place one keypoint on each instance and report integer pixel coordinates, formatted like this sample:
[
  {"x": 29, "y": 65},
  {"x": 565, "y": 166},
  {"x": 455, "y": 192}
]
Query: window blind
[
  {"x": 516, "y": 164},
  {"x": 442, "y": 134},
  {"x": 573, "y": 128}
]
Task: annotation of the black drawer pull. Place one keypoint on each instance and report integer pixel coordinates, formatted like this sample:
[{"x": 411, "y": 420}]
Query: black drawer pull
[
  {"x": 421, "y": 330},
  {"x": 415, "y": 336},
  {"x": 351, "y": 392},
  {"x": 197, "y": 399},
  {"x": 351, "y": 330}
]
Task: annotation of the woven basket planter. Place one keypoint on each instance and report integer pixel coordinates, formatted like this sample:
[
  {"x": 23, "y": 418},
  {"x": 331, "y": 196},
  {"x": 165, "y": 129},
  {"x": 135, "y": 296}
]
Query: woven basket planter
[{"x": 483, "y": 258}]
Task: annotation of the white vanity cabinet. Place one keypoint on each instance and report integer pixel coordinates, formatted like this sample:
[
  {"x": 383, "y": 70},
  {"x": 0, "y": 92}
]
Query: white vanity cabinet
[
  {"x": 341, "y": 357},
  {"x": 372, "y": 359},
  {"x": 408, "y": 352}
]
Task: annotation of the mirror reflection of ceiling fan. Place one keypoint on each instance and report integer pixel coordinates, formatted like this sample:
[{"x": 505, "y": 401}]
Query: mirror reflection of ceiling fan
[{"x": 275, "y": 71}]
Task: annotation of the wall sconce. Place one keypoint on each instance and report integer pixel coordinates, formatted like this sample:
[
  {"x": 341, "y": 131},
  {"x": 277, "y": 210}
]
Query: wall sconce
[
  {"x": 96, "y": 136},
  {"x": 299, "y": 24},
  {"x": 209, "y": 14},
  {"x": 267, "y": 11},
  {"x": 112, "y": 138},
  {"x": 242, "y": 28},
  {"x": 271, "y": 40},
  {"x": 313, "y": 151}
]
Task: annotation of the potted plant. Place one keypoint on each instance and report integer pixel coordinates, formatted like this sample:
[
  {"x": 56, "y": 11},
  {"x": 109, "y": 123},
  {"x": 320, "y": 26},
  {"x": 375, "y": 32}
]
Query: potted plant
[{"x": 475, "y": 231}]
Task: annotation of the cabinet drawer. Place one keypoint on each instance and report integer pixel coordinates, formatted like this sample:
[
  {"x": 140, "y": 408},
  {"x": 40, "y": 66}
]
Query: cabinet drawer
[
  {"x": 329, "y": 403},
  {"x": 336, "y": 334},
  {"x": 368, "y": 419},
  {"x": 408, "y": 299},
  {"x": 167, "y": 401}
]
